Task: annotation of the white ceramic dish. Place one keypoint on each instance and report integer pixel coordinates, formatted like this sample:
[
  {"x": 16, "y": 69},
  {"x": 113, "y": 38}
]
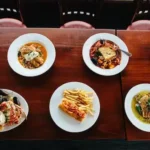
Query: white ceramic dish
[
  {"x": 23, "y": 104},
  {"x": 106, "y": 36},
  {"x": 63, "y": 120},
  {"x": 132, "y": 92},
  {"x": 24, "y": 39}
]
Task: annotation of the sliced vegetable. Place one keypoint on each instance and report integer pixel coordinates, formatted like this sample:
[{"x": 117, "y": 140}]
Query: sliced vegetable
[
  {"x": 97, "y": 54},
  {"x": 94, "y": 60},
  {"x": 138, "y": 108},
  {"x": 149, "y": 100}
]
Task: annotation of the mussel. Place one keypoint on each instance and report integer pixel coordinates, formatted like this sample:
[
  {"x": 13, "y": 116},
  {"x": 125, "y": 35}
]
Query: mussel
[
  {"x": 2, "y": 93},
  {"x": 94, "y": 60},
  {"x": 102, "y": 41},
  {"x": 15, "y": 100}
]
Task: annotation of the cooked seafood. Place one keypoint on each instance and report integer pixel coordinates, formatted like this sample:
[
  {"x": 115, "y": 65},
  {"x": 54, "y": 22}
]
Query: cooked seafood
[
  {"x": 72, "y": 110},
  {"x": 32, "y": 55},
  {"x": 105, "y": 54},
  {"x": 141, "y": 106},
  {"x": 77, "y": 103},
  {"x": 10, "y": 110}
]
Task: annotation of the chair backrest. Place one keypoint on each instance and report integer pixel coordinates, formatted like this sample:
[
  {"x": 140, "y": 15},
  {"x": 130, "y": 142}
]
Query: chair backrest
[
  {"x": 80, "y": 10},
  {"x": 142, "y": 11},
  {"x": 10, "y": 9},
  {"x": 40, "y": 13}
]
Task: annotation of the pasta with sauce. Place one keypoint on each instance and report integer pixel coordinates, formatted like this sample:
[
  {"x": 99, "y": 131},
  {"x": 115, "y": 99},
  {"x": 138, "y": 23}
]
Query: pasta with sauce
[
  {"x": 105, "y": 54},
  {"x": 32, "y": 55}
]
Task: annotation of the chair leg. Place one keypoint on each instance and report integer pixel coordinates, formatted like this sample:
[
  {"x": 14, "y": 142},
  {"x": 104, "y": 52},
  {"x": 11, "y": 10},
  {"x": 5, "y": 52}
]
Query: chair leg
[
  {"x": 20, "y": 13},
  {"x": 139, "y": 2}
]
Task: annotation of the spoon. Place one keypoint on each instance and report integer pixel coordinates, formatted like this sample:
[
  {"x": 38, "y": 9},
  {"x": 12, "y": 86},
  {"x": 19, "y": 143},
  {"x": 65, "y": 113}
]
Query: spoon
[
  {"x": 127, "y": 53},
  {"x": 102, "y": 41}
]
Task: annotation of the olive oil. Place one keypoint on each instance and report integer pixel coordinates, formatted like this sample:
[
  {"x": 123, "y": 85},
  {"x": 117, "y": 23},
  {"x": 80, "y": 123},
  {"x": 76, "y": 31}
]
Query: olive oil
[{"x": 135, "y": 112}]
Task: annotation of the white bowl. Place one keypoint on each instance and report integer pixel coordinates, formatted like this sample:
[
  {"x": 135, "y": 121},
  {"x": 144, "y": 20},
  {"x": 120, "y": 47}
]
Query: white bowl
[
  {"x": 128, "y": 100},
  {"x": 22, "y": 40},
  {"x": 105, "y": 72},
  {"x": 23, "y": 104},
  {"x": 63, "y": 120}
]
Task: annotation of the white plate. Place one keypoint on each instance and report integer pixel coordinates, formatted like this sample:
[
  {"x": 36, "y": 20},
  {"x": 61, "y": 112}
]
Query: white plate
[
  {"x": 135, "y": 90},
  {"x": 23, "y": 104},
  {"x": 105, "y": 72},
  {"x": 63, "y": 120},
  {"x": 27, "y": 38}
]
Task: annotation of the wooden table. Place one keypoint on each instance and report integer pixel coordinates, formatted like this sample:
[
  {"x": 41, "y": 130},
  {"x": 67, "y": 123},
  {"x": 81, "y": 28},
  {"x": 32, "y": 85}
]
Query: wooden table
[
  {"x": 137, "y": 72},
  {"x": 69, "y": 66}
]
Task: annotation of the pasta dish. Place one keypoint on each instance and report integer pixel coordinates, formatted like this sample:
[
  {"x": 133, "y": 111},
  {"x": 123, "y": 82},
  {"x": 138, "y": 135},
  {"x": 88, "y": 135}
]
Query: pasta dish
[
  {"x": 32, "y": 55},
  {"x": 10, "y": 110},
  {"x": 105, "y": 54}
]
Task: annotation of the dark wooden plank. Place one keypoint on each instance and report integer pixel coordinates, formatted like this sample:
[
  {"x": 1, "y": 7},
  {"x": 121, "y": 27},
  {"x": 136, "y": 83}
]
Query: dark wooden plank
[
  {"x": 69, "y": 66},
  {"x": 137, "y": 71},
  {"x": 75, "y": 145},
  {"x": 65, "y": 145}
]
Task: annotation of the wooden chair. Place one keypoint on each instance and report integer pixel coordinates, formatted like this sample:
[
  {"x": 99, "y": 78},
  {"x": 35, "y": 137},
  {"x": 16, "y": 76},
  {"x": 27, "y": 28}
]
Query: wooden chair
[
  {"x": 80, "y": 13},
  {"x": 10, "y": 14},
  {"x": 140, "y": 20}
]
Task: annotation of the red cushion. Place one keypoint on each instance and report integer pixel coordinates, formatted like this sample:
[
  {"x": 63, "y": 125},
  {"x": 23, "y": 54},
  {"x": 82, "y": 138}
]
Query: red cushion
[
  {"x": 9, "y": 22},
  {"x": 140, "y": 25},
  {"x": 77, "y": 24}
]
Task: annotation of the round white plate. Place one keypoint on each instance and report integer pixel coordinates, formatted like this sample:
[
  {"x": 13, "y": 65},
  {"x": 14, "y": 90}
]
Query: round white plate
[
  {"x": 27, "y": 38},
  {"x": 63, "y": 120},
  {"x": 128, "y": 100},
  {"x": 105, "y": 72},
  {"x": 23, "y": 104}
]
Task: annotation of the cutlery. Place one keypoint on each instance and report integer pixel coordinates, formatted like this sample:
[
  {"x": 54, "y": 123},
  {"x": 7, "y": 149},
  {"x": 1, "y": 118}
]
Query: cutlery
[{"x": 102, "y": 41}]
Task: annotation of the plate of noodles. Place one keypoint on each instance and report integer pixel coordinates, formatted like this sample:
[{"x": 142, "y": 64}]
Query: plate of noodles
[
  {"x": 74, "y": 107},
  {"x": 101, "y": 53},
  {"x": 13, "y": 110}
]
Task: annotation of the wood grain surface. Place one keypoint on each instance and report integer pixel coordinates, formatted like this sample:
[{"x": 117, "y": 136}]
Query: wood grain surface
[
  {"x": 137, "y": 71},
  {"x": 68, "y": 66}
]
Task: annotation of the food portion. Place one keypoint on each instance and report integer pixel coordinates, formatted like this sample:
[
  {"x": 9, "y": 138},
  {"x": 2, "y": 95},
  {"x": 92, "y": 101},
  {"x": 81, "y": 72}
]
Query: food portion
[
  {"x": 105, "y": 54},
  {"x": 32, "y": 55},
  {"x": 10, "y": 110},
  {"x": 77, "y": 103},
  {"x": 141, "y": 106}
]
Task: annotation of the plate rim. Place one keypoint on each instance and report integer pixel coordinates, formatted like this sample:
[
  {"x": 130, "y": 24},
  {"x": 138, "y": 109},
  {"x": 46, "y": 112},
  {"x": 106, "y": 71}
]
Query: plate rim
[{"x": 56, "y": 122}]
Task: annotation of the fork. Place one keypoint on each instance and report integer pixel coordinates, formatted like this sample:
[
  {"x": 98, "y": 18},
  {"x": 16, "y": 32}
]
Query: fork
[{"x": 127, "y": 53}]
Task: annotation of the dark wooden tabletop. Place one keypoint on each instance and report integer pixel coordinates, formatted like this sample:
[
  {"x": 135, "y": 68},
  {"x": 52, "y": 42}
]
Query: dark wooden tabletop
[
  {"x": 68, "y": 66},
  {"x": 137, "y": 71}
]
